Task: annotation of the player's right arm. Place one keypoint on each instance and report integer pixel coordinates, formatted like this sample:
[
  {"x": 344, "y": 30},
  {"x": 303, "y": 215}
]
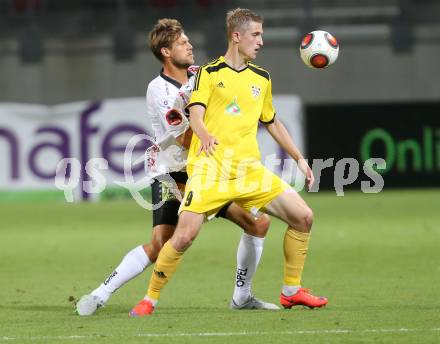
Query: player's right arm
[
  {"x": 207, "y": 141},
  {"x": 197, "y": 108}
]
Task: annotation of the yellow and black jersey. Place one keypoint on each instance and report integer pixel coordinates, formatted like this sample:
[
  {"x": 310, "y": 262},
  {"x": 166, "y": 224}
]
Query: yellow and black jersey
[{"x": 235, "y": 101}]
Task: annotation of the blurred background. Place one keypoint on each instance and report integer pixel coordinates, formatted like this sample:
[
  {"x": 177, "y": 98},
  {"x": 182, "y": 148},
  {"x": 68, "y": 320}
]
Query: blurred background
[
  {"x": 60, "y": 51},
  {"x": 380, "y": 99}
]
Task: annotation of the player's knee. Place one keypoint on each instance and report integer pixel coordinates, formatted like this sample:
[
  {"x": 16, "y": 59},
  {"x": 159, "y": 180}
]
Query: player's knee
[
  {"x": 304, "y": 221},
  {"x": 182, "y": 241},
  {"x": 308, "y": 219},
  {"x": 261, "y": 226}
]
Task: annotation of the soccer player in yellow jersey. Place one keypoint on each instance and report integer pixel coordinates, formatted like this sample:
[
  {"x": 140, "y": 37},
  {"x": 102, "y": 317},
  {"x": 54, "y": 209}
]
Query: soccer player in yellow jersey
[{"x": 231, "y": 95}]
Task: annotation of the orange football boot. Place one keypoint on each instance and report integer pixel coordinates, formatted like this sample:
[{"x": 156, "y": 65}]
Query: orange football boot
[
  {"x": 302, "y": 298},
  {"x": 144, "y": 307}
]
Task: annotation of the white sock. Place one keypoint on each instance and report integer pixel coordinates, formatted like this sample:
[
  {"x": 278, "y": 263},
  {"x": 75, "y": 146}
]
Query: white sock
[
  {"x": 249, "y": 253},
  {"x": 131, "y": 265},
  {"x": 289, "y": 290}
]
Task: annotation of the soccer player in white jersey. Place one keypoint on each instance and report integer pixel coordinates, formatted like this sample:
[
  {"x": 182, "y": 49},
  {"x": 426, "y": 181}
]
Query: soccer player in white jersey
[{"x": 167, "y": 96}]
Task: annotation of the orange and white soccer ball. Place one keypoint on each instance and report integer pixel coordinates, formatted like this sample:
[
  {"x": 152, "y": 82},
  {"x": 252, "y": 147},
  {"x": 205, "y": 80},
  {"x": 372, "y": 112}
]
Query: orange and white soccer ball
[{"x": 319, "y": 49}]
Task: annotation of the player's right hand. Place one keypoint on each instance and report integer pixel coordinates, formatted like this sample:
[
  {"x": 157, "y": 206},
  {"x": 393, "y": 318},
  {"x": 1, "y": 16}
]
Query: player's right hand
[
  {"x": 207, "y": 145},
  {"x": 151, "y": 156}
]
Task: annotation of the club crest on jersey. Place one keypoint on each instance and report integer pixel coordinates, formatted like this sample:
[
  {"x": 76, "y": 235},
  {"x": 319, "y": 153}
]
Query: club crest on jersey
[
  {"x": 233, "y": 108},
  {"x": 255, "y": 91}
]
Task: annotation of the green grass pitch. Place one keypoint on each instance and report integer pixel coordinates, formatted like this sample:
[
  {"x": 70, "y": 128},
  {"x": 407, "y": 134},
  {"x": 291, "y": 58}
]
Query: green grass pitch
[{"x": 376, "y": 257}]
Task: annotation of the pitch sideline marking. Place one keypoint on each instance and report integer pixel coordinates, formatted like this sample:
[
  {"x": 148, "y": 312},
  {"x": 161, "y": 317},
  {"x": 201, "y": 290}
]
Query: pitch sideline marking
[{"x": 227, "y": 334}]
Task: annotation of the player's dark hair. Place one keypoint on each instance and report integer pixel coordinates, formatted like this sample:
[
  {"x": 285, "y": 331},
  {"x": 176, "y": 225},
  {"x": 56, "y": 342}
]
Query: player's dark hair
[
  {"x": 163, "y": 35},
  {"x": 238, "y": 20}
]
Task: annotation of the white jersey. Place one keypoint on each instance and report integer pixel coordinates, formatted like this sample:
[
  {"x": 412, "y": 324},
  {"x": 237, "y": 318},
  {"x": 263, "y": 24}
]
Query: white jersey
[{"x": 166, "y": 101}]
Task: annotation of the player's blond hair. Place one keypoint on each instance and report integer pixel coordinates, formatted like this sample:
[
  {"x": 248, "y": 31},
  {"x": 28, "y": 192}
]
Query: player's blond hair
[
  {"x": 238, "y": 20},
  {"x": 164, "y": 33}
]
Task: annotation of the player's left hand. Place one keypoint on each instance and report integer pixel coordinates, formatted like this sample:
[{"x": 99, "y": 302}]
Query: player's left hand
[{"x": 305, "y": 168}]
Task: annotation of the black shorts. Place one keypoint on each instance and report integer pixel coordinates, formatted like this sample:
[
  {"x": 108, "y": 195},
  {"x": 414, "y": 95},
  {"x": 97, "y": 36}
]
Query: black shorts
[{"x": 167, "y": 213}]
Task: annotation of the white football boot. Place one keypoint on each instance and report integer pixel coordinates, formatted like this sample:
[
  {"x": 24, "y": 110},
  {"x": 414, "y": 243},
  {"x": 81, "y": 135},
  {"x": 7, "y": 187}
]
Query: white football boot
[
  {"x": 254, "y": 303},
  {"x": 88, "y": 304}
]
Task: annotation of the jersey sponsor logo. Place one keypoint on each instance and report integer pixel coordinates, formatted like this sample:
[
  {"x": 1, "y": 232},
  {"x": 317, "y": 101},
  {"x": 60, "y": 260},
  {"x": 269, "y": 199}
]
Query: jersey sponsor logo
[
  {"x": 189, "y": 199},
  {"x": 233, "y": 108},
  {"x": 241, "y": 277},
  {"x": 160, "y": 274},
  {"x": 255, "y": 91},
  {"x": 220, "y": 85},
  {"x": 173, "y": 117}
]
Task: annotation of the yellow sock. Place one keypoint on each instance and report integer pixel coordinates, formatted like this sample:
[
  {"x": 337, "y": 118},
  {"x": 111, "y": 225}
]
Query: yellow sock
[
  {"x": 295, "y": 252},
  {"x": 166, "y": 265}
]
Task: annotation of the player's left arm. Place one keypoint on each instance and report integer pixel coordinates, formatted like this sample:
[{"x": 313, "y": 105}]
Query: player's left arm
[{"x": 280, "y": 134}]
